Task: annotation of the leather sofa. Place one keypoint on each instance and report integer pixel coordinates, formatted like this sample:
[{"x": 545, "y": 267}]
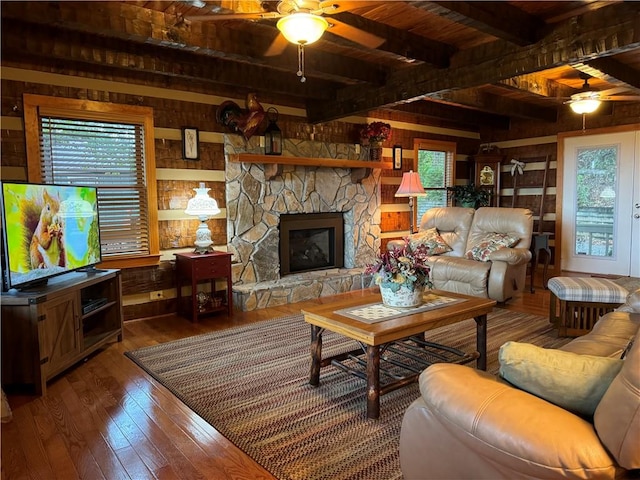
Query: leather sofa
[
  {"x": 463, "y": 228},
  {"x": 469, "y": 424}
]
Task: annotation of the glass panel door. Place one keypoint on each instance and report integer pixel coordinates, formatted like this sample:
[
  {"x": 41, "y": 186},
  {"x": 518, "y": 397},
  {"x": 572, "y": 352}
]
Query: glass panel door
[
  {"x": 597, "y": 179},
  {"x": 600, "y": 180}
]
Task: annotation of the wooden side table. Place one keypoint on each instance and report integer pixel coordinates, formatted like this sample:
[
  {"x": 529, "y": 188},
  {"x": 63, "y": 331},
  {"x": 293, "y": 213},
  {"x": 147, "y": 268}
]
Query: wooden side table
[
  {"x": 539, "y": 244},
  {"x": 195, "y": 268}
]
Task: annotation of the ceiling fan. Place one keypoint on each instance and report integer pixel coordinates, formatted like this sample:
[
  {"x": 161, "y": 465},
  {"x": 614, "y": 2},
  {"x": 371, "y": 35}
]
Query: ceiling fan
[
  {"x": 302, "y": 22},
  {"x": 588, "y": 100}
]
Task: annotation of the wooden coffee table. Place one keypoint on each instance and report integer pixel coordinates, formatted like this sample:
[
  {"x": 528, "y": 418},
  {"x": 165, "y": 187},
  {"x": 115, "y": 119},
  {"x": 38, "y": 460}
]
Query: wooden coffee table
[{"x": 376, "y": 336}]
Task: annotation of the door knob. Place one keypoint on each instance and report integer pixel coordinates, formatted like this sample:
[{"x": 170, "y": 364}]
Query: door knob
[
  {"x": 637, "y": 205},
  {"x": 637, "y": 215}
]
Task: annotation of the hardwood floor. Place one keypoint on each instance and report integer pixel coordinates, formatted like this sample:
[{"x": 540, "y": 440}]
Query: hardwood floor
[{"x": 107, "y": 419}]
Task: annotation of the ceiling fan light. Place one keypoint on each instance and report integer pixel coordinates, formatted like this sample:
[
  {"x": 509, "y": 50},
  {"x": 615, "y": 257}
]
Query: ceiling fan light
[
  {"x": 302, "y": 28},
  {"x": 585, "y": 106}
]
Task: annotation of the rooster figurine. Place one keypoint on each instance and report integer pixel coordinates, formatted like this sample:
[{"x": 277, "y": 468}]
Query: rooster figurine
[{"x": 245, "y": 121}]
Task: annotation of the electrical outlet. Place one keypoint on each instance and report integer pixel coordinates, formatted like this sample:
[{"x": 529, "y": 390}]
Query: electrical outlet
[{"x": 157, "y": 295}]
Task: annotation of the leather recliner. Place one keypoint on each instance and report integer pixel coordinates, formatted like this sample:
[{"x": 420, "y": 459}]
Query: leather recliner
[
  {"x": 503, "y": 275},
  {"x": 468, "y": 424}
]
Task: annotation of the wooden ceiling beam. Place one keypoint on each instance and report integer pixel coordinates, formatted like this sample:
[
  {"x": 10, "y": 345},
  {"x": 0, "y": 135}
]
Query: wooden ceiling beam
[
  {"x": 498, "y": 19},
  {"x": 537, "y": 84},
  {"x": 476, "y": 99},
  {"x": 607, "y": 31},
  {"x": 612, "y": 71},
  {"x": 211, "y": 39},
  {"x": 51, "y": 45},
  {"x": 455, "y": 115},
  {"x": 402, "y": 43}
]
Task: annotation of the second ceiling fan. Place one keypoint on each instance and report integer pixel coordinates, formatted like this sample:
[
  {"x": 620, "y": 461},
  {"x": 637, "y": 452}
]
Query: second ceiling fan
[{"x": 589, "y": 99}]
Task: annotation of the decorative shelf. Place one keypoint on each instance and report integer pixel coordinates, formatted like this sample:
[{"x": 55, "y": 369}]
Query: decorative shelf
[{"x": 359, "y": 168}]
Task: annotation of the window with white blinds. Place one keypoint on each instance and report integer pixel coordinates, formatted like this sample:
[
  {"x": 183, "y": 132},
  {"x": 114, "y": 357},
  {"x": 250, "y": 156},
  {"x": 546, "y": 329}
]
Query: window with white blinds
[
  {"x": 436, "y": 166},
  {"x": 109, "y": 156},
  {"x": 107, "y": 145}
]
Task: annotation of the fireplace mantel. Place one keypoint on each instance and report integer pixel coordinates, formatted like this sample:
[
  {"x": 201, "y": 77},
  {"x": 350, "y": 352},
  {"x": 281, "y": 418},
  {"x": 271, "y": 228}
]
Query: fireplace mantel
[{"x": 359, "y": 168}]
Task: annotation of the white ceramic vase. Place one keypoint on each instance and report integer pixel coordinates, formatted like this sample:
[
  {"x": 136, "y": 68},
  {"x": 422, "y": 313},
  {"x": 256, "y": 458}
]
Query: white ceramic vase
[{"x": 404, "y": 297}]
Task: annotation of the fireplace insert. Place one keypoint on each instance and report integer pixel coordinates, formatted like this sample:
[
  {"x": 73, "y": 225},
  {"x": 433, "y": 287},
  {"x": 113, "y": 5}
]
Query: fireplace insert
[{"x": 311, "y": 241}]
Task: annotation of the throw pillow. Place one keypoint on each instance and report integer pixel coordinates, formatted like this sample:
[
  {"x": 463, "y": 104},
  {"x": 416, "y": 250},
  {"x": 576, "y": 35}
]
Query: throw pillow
[
  {"x": 572, "y": 381},
  {"x": 431, "y": 239},
  {"x": 489, "y": 244}
]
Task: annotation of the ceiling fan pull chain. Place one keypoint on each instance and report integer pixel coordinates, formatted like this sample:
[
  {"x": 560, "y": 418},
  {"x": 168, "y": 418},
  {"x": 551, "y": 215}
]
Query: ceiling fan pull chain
[{"x": 300, "y": 72}]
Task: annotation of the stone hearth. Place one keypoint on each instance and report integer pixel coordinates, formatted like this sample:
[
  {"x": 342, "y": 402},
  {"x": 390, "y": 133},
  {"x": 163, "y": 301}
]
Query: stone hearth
[{"x": 254, "y": 206}]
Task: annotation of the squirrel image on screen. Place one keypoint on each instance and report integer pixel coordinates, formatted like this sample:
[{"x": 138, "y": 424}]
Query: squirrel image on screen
[{"x": 47, "y": 247}]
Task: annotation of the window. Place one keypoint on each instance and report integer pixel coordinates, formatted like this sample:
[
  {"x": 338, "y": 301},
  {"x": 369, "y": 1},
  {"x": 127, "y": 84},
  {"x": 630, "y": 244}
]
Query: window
[
  {"x": 436, "y": 166},
  {"x": 74, "y": 142}
]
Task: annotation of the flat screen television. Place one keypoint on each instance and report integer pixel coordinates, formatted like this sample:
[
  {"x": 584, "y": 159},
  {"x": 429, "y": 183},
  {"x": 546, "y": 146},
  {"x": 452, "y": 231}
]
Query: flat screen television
[{"x": 47, "y": 230}]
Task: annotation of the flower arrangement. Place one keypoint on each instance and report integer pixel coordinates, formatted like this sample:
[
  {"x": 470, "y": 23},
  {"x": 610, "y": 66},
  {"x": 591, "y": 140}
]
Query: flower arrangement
[
  {"x": 376, "y": 132},
  {"x": 402, "y": 267}
]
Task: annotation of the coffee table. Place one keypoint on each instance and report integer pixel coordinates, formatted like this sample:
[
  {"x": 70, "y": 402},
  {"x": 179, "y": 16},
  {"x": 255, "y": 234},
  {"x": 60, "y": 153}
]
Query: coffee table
[{"x": 375, "y": 337}]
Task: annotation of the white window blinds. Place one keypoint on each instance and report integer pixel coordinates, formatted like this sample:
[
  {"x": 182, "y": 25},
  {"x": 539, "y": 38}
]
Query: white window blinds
[{"x": 111, "y": 157}]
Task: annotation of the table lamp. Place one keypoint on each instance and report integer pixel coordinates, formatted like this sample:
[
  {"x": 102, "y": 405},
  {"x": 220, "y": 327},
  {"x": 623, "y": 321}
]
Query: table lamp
[
  {"x": 204, "y": 207},
  {"x": 411, "y": 186}
]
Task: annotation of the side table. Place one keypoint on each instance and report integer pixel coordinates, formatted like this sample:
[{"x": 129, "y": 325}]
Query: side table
[
  {"x": 539, "y": 244},
  {"x": 195, "y": 268}
]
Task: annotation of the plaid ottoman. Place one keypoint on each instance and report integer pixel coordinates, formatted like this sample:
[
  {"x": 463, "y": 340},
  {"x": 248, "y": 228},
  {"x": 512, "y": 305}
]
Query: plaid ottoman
[{"x": 576, "y": 303}]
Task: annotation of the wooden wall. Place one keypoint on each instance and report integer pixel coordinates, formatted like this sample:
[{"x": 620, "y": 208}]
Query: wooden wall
[
  {"x": 179, "y": 104},
  {"x": 176, "y": 107}
]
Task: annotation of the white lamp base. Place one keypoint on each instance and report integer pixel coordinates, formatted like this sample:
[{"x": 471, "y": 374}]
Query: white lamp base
[{"x": 203, "y": 238}]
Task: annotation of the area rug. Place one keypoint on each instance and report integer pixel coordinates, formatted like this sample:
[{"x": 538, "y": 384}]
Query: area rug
[{"x": 251, "y": 384}]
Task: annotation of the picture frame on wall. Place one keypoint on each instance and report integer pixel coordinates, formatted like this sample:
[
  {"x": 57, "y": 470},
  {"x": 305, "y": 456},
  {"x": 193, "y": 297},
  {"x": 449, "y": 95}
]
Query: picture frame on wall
[
  {"x": 190, "y": 143},
  {"x": 397, "y": 157}
]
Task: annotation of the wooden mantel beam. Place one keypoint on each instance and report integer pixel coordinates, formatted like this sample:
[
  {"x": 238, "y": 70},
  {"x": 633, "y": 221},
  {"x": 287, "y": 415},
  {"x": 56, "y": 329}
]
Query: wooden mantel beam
[{"x": 601, "y": 33}]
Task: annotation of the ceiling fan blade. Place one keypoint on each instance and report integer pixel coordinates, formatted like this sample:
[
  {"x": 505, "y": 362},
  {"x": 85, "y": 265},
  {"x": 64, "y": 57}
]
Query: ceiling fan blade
[
  {"x": 331, "y": 6},
  {"x": 623, "y": 98},
  {"x": 612, "y": 91},
  {"x": 232, "y": 16},
  {"x": 278, "y": 46},
  {"x": 354, "y": 34}
]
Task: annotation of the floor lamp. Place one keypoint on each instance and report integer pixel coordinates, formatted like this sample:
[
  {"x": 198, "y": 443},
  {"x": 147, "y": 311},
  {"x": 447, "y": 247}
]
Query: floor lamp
[{"x": 411, "y": 186}]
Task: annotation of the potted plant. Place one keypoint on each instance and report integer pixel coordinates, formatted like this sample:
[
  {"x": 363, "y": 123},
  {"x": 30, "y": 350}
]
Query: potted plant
[
  {"x": 470, "y": 196},
  {"x": 402, "y": 274}
]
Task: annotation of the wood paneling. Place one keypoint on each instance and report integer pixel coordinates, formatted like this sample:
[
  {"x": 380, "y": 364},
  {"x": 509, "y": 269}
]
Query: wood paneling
[
  {"x": 182, "y": 233},
  {"x": 175, "y": 194},
  {"x": 394, "y": 221}
]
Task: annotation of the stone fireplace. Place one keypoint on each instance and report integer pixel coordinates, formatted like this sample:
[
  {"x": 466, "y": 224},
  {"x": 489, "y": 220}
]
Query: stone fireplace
[{"x": 255, "y": 204}]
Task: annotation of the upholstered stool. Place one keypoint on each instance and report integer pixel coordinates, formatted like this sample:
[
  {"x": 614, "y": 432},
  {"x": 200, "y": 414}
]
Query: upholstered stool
[{"x": 576, "y": 303}]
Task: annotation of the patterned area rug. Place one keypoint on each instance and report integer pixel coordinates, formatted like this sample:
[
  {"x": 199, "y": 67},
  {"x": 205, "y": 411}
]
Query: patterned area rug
[{"x": 251, "y": 384}]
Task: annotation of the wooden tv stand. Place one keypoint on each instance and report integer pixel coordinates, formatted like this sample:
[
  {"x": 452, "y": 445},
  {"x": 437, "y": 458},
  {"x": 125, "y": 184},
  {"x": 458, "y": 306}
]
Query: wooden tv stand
[{"x": 46, "y": 330}]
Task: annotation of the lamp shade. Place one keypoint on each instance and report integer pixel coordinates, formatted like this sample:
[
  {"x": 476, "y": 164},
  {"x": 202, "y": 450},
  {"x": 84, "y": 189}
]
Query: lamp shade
[
  {"x": 411, "y": 185},
  {"x": 202, "y": 205},
  {"x": 302, "y": 28},
  {"x": 585, "y": 102},
  {"x": 585, "y": 106}
]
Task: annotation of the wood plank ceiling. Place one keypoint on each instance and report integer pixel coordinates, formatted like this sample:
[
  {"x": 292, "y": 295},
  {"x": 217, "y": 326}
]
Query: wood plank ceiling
[{"x": 478, "y": 63}]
